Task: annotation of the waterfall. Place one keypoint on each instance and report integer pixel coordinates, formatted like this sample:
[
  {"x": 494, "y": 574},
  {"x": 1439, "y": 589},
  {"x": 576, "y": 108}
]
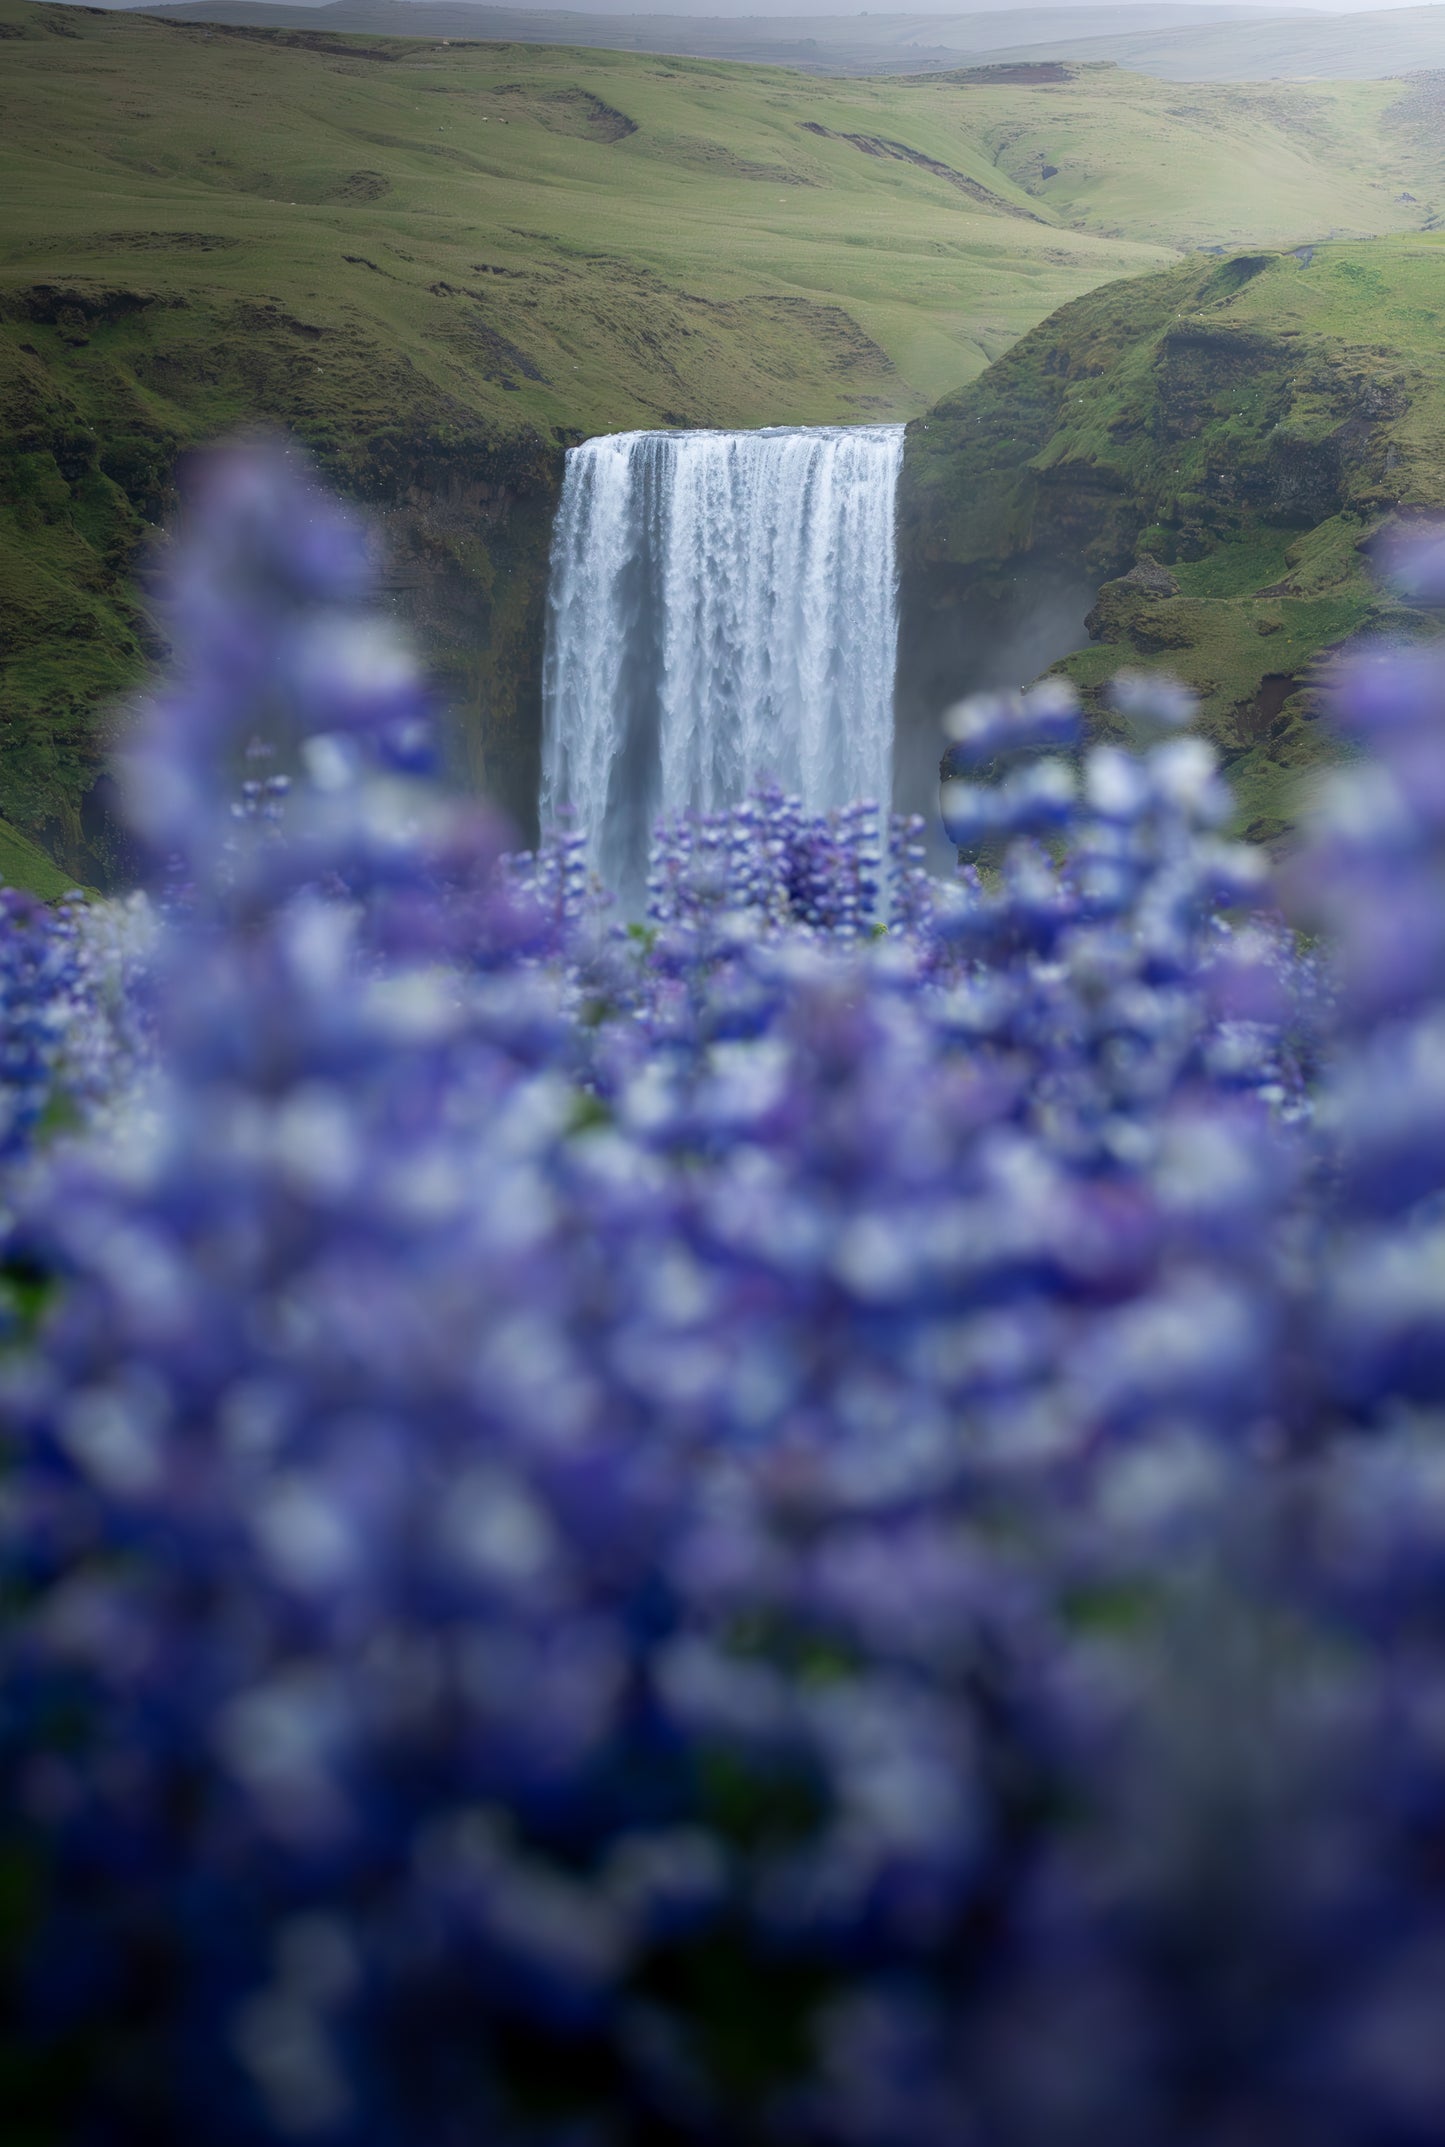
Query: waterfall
[{"x": 722, "y": 611}]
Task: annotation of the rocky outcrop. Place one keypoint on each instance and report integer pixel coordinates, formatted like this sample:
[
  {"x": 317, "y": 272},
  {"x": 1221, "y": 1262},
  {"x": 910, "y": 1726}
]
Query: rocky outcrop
[
  {"x": 1147, "y": 574},
  {"x": 1135, "y": 611}
]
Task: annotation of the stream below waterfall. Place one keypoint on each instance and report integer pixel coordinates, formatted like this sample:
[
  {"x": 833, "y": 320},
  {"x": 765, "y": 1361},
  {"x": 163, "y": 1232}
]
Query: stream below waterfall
[{"x": 722, "y": 612}]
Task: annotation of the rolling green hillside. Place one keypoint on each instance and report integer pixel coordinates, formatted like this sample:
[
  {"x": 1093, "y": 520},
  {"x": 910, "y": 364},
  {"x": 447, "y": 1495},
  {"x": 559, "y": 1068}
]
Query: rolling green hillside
[
  {"x": 1114, "y": 153},
  {"x": 1217, "y": 448},
  {"x": 437, "y": 264}
]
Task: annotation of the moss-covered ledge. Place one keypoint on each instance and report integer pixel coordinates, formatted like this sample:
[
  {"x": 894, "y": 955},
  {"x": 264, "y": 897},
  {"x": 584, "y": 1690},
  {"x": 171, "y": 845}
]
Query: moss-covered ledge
[{"x": 1202, "y": 460}]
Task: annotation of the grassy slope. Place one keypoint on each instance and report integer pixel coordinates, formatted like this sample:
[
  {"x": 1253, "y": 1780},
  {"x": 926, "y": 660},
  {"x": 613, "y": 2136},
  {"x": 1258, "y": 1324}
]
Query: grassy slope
[
  {"x": 1248, "y": 424},
  {"x": 1213, "y": 164},
  {"x": 436, "y": 263},
  {"x": 24, "y": 864}
]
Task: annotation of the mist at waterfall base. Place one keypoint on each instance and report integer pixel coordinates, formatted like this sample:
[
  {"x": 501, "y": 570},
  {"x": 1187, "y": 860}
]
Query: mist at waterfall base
[
  {"x": 961, "y": 633},
  {"x": 722, "y": 614}
]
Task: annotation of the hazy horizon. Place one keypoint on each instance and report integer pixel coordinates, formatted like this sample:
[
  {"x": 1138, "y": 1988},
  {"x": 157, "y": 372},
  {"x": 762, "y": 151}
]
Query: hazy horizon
[{"x": 788, "y": 10}]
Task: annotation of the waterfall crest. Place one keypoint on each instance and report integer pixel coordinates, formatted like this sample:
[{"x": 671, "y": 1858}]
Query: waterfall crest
[{"x": 722, "y": 611}]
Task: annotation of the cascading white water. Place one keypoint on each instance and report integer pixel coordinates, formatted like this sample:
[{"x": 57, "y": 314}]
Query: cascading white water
[{"x": 722, "y": 612}]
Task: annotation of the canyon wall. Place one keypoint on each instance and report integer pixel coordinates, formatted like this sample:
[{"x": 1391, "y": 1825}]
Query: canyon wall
[
  {"x": 1186, "y": 471},
  {"x": 104, "y": 390}
]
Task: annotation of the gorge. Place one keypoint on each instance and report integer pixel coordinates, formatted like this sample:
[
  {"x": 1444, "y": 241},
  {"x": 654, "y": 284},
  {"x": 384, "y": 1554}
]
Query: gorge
[{"x": 440, "y": 267}]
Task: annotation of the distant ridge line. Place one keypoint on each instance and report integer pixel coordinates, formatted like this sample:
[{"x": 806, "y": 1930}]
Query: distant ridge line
[{"x": 1169, "y": 39}]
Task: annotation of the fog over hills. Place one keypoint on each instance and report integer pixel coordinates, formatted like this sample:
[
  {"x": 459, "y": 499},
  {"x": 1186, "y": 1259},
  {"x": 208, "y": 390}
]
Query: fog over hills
[
  {"x": 1286, "y": 47},
  {"x": 1219, "y": 42}
]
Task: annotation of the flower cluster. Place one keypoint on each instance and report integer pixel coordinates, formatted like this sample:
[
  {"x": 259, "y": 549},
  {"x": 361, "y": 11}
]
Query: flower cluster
[
  {"x": 72, "y": 1029},
  {"x": 813, "y": 1520}
]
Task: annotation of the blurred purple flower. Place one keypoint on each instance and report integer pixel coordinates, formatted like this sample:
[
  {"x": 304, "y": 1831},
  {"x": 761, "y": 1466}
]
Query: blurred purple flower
[{"x": 813, "y": 1520}]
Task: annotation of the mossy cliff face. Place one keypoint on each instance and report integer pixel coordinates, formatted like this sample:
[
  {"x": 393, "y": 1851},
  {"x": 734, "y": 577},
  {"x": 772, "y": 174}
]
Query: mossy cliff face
[
  {"x": 104, "y": 388},
  {"x": 1183, "y": 472},
  {"x": 467, "y": 530}
]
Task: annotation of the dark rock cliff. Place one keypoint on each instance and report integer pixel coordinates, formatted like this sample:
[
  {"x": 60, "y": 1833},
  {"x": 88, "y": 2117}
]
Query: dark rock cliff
[
  {"x": 467, "y": 534},
  {"x": 98, "y": 408}
]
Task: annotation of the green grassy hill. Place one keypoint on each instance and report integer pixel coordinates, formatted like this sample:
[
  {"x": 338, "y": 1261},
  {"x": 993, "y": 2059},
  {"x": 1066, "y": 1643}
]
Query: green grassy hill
[
  {"x": 438, "y": 264},
  {"x": 1114, "y": 153},
  {"x": 1217, "y": 447}
]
